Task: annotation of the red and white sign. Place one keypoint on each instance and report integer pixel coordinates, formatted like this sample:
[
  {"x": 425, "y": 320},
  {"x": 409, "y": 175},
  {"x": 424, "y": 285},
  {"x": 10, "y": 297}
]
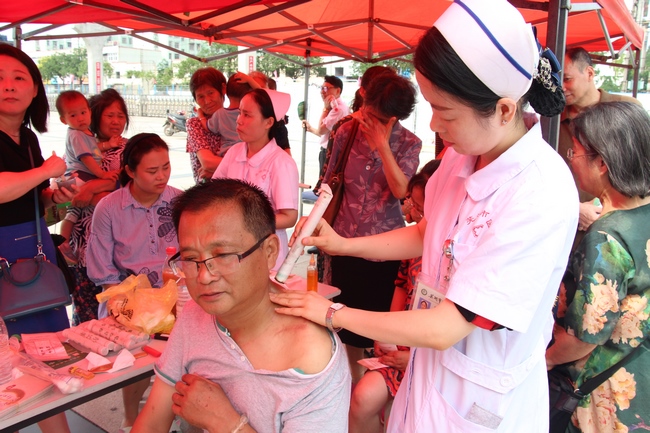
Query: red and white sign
[{"x": 98, "y": 77}]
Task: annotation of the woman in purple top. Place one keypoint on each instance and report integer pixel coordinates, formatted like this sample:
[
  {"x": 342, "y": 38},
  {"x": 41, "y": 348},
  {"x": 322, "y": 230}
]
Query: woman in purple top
[
  {"x": 131, "y": 229},
  {"x": 383, "y": 158}
]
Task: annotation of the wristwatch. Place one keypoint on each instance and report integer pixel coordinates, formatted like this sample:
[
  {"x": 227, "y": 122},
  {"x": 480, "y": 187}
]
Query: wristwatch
[{"x": 330, "y": 313}]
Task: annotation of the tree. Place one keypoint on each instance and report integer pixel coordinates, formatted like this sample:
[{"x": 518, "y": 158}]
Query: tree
[
  {"x": 226, "y": 65},
  {"x": 62, "y": 65},
  {"x": 165, "y": 73},
  {"x": 108, "y": 69},
  {"x": 270, "y": 65},
  {"x": 403, "y": 67}
]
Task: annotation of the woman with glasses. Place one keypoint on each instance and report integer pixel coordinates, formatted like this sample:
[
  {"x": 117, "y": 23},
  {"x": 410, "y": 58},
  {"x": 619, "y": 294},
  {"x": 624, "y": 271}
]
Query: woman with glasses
[
  {"x": 259, "y": 160},
  {"x": 603, "y": 311},
  {"x": 131, "y": 229}
]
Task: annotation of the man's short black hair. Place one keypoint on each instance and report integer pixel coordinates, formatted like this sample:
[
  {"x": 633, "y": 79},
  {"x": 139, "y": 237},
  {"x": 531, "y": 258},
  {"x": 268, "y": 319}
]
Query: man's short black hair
[
  {"x": 259, "y": 217},
  {"x": 579, "y": 57},
  {"x": 334, "y": 81}
]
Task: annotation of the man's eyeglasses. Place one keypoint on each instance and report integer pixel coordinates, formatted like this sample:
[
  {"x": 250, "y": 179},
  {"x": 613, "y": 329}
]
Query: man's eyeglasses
[
  {"x": 570, "y": 154},
  {"x": 326, "y": 88},
  {"x": 222, "y": 264}
]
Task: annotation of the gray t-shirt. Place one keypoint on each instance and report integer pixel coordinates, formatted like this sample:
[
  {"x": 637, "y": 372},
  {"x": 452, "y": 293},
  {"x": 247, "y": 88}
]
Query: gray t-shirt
[
  {"x": 274, "y": 401},
  {"x": 78, "y": 144}
]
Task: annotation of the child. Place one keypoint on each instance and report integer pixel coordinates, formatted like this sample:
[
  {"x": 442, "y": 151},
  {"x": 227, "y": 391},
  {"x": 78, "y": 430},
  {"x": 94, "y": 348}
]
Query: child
[
  {"x": 224, "y": 121},
  {"x": 82, "y": 155}
]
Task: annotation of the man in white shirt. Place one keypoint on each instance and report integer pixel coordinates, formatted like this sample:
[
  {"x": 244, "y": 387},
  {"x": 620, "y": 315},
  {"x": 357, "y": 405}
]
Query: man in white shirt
[{"x": 334, "y": 109}]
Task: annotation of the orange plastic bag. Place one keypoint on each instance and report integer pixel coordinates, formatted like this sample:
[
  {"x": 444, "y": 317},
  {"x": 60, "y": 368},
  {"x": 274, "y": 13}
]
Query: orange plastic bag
[{"x": 134, "y": 303}]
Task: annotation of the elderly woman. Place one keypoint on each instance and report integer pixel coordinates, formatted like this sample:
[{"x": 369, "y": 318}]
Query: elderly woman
[
  {"x": 603, "y": 311},
  {"x": 208, "y": 87}
]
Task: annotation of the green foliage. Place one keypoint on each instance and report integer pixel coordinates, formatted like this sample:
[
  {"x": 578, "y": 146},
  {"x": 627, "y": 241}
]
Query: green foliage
[
  {"x": 227, "y": 65},
  {"x": 272, "y": 65},
  {"x": 403, "y": 67},
  {"x": 61, "y": 65},
  {"x": 108, "y": 69},
  {"x": 165, "y": 73}
]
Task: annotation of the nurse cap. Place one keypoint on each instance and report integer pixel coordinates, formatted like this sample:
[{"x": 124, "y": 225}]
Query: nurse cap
[
  {"x": 281, "y": 102},
  {"x": 493, "y": 40}
]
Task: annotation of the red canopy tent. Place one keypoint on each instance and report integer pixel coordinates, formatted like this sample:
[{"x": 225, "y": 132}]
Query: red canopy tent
[{"x": 367, "y": 30}]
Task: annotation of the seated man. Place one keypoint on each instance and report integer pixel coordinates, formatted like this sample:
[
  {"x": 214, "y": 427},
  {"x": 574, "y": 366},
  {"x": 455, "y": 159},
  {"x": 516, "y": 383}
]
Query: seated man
[{"x": 232, "y": 364}]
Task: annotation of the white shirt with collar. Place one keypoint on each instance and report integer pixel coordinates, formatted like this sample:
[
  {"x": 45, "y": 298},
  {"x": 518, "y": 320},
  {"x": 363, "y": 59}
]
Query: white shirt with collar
[
  {"x": 334, "y": 115},
  {"x": 512, "y": 224}
]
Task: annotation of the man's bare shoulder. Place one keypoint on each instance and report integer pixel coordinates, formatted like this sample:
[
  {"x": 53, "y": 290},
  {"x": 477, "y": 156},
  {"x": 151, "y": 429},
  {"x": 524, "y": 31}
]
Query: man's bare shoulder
[{"x": 308, "y": 345}]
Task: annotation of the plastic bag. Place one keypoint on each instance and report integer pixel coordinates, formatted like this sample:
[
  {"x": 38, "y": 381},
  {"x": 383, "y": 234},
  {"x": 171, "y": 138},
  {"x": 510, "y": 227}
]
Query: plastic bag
[{"x": 134, "y": 303}]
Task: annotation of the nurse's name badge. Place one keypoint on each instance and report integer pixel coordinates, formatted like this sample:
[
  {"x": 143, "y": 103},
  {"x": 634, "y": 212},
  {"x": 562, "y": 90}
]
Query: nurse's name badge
[{"x": 427, "y": 296}]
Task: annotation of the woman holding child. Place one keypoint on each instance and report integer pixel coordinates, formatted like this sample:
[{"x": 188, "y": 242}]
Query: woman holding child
[
  {"x": 108, "y": 120},
  {"x": 23, "y": 105},
  {"x": 208, "y": 88}
]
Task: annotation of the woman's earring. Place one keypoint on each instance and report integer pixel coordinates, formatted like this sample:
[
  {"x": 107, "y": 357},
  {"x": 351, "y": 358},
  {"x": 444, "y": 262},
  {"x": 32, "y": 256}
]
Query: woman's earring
[{"x": 504, "y": 122}]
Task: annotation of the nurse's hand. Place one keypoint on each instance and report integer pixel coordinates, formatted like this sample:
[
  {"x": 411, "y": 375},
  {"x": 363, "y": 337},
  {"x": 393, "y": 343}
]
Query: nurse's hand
[
  {"x": 324, "y": 238},
  {"x": 398, "y": 359},
  {"x": 309, "y": 305}
]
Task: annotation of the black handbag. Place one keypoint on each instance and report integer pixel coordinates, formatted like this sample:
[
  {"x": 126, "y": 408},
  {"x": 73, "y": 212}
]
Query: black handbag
[
  {"x": 564, "y": 396},
  {"x": 31, "y": 285},
  {"x": 336, "y": 179}
]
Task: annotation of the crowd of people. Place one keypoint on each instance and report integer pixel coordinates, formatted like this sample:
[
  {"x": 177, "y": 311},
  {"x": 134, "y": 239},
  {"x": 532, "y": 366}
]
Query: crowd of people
[{"x": 467, "y": 280}]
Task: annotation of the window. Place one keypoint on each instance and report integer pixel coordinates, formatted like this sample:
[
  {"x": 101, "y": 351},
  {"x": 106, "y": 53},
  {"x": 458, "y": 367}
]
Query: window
[
  {"x": 124, "y": 40},
  {"x": 117, "y": 74},
  {"x": 338, "y": 71},
  {"x": 192, "y": 46},
  {"x": 69, "y": 44},
  {"x": 177, "y": 56}
]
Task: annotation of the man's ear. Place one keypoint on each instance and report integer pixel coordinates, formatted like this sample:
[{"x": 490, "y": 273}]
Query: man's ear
[
  {"x": 271, "y": 249},
  {"x": 591, "y": 73},
  {"x": 62, "y": 120}
]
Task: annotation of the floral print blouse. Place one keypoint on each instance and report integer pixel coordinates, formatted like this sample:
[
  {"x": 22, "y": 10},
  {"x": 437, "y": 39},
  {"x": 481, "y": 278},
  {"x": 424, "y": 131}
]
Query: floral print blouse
[
  {"x": 199, "y": 138},
  {"x": 368, "y": 206},
  {"x": 604, "y": 301}
]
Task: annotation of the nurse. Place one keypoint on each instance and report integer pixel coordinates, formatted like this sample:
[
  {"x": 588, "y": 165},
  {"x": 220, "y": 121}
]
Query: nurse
[
  {"x": 258, "y": 159},
  {"x": 499, "y": 220}
]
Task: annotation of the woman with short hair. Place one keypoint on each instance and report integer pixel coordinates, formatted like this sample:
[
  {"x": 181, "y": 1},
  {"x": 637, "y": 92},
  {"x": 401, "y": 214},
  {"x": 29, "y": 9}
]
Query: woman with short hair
[
  {"x": 208, "y": 88},
  {"x": 603, "y": 313}
]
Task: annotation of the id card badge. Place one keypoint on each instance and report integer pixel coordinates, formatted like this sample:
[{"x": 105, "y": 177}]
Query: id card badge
[{"x": 427, "y": 296}]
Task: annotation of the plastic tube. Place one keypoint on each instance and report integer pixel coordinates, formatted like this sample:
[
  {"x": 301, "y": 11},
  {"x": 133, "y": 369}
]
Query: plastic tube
[
  {"x": 307, "y": 229},
  {"x": 113, "y": 334},
  {"x": 66, "y": 383}
]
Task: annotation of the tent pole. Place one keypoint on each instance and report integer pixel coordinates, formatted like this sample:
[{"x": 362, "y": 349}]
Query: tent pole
[
  {"x": 18, "y": 37},
  {"x": 558, "y": 11},
  {"x": 637, "y": 66},
  {"x": 304, "y": 131}
]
